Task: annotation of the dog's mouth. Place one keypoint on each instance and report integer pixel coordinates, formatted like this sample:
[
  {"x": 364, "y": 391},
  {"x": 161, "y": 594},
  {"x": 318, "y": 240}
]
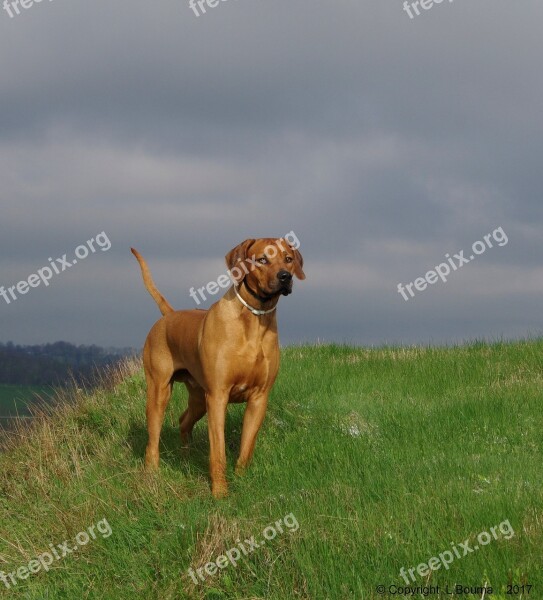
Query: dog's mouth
[
  {"x": 284, "y": 289},
  {"x": 281, "y": 289},
  {"x": 274, "y": 289}
]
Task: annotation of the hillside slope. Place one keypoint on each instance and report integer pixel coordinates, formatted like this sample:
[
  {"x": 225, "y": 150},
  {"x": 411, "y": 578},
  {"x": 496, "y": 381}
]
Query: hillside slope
[{"x": 369, "y": 461}]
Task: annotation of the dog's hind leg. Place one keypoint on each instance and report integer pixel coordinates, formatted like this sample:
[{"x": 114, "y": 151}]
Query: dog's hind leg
[
  {"x": 158, "y": 396},
  {"x": 195, "y": 411}
]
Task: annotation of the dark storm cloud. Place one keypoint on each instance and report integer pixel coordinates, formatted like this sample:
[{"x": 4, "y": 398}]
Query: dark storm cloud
[{"x": 383, "y": 142}]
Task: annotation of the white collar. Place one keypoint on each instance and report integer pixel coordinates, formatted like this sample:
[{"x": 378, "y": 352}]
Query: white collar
[{"x": 255, "y": 311}]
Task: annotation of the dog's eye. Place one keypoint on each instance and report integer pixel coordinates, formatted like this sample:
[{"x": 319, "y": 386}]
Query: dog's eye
[
  {"x": 288, "y": 259},
  {"x": 263, "y": 260}
]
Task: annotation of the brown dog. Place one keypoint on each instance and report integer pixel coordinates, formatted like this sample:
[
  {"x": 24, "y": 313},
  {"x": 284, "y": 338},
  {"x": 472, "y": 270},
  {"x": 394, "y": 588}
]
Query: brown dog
[{"x": 229, "y": 353}]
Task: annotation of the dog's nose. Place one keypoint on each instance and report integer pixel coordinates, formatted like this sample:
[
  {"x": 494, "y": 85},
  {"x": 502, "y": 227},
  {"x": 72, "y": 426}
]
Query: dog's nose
[{"x": 284, "y": 276}]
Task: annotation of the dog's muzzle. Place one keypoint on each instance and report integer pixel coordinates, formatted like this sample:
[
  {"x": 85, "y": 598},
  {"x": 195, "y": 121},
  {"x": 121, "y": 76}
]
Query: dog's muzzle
[{"x": 285, "y": 282}]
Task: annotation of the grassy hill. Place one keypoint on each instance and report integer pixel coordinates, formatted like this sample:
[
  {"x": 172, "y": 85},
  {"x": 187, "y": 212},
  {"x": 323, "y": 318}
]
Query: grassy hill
[{"x": 383, "y": 458}]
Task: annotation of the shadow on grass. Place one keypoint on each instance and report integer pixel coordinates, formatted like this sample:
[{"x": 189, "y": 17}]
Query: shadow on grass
[{"x": 197, "y": 455}]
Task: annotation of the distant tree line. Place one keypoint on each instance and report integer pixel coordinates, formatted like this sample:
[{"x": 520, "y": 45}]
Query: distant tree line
[{"x": 54, "y": 364}]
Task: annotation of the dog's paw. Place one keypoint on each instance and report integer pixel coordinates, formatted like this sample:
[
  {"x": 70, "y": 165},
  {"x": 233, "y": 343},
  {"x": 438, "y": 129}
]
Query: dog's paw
[
  {"x": 241, "y": 470},
  {"x": 151, "y": 465},
  {"x": 219, "y": 490}
]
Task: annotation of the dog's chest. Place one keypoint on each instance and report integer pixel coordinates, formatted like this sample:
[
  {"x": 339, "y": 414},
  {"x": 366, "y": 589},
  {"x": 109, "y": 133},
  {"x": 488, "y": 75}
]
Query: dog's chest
[{"x": 256, "y": 372}]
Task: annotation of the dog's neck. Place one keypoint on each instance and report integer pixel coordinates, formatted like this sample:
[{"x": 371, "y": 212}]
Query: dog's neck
[
  {"x": 262, "y": 299},
  {"x": 256, "y": 304}
]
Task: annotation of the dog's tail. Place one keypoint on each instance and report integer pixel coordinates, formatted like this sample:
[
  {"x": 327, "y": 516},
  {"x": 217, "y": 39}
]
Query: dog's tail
[{"x": 164, "y": 306}]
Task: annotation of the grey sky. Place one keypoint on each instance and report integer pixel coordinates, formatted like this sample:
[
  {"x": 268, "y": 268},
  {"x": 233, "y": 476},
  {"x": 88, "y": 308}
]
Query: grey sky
[{"x": 383, "y": 142}]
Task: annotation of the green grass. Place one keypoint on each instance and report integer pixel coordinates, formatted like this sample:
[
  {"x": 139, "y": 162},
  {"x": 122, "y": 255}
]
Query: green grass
[{"x": 384, "y": 457}]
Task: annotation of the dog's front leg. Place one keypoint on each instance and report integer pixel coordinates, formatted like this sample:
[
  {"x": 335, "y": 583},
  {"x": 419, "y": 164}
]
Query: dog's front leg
[
  {"x": 216, "y": 413},
  {"x": 252, "y": 420}
]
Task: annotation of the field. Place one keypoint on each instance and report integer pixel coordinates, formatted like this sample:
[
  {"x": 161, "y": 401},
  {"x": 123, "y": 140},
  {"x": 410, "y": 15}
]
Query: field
[
  {"x": 14, "y": 399},
  {"x": 383, "y": 458}
]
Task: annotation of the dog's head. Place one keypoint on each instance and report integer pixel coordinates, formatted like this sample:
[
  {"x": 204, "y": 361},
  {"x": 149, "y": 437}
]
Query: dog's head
[{"x": 267, "y": 266}]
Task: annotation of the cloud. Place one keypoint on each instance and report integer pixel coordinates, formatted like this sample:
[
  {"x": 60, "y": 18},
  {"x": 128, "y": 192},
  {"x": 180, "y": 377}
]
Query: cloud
[{"x": 383, "y": 142}]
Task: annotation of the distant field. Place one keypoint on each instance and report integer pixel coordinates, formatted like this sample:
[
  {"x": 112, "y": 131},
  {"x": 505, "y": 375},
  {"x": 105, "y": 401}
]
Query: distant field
[
  {"x": 15, "y": 398},
  {"x": 385, "y": 458}
]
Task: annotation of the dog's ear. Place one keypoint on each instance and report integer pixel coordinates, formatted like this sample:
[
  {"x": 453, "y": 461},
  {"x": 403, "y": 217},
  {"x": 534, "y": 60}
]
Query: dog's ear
[
  {"x": 234, "y": 257},
  {"x": 298, "y": 264}
]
